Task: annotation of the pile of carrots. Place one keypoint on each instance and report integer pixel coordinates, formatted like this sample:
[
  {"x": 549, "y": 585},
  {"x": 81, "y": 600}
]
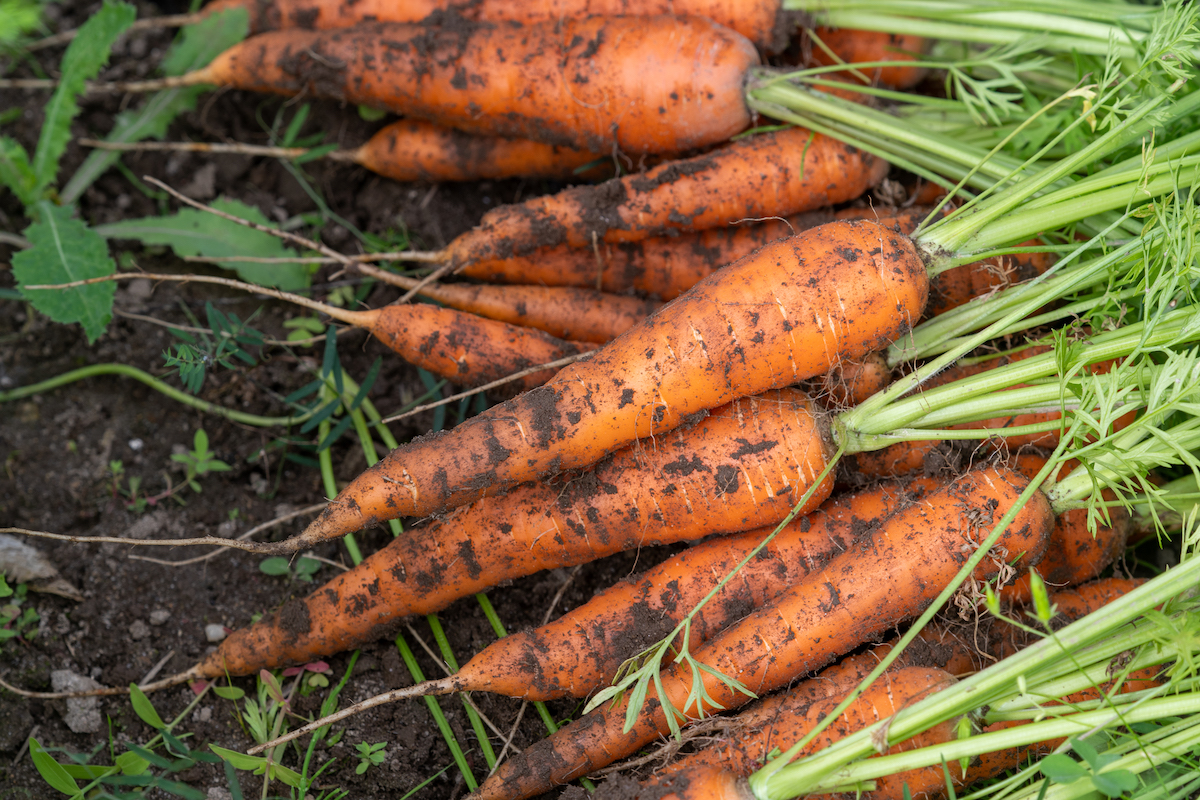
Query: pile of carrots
[{"x": 704, "y": 293}]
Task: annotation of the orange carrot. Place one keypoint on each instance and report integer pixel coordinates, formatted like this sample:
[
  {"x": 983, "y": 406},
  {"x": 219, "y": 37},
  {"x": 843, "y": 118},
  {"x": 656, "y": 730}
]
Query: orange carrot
[
  {"x": 761, "y": 21},
  {"x": 461, "y": 347},
  {"x": 1075, "y": 554},
  {"x": 773, "y": 174},
  {"x": 566, "y": 312},
  {"x": 781, "y": 720},
  {"x": 415, "y": 150},
  {"x": 854, "y": 46},
  {"x": 852, "y": 381},
  {"x": 954, "y": 287},
  {"x": 665, "y": 266},
  {"x": 744, "y": 466},
  {"x": 578, "y": 82},
  {"x": 786, "y": 313},
  {"x": 859, "y": 594}
]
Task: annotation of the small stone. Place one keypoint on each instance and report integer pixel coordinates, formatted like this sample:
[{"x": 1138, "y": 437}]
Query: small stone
[
  {"x": 159, "y": 616},
  {"x": 227, "y": 529},
  {"x": 219, "y": 793},
  {"x": 139, "y": 630},
  {"x": 203, "y": 714},
  {"x": 203, "y": 184},
  {"x": 82, "y": 714},
  {"x": 214, "y": 632},
  {"x": 147, "y": 526}
]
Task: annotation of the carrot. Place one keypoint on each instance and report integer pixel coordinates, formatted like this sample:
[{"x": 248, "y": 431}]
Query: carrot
[
  {"x": 763, "y": 22},
  {"x": 415, "y": 150},
  {"x": 764, "y": 322},
  {"x": 461, "y": 347},
  {"x": 773, "y": 174},
  {"x": 1075, "y": 553},
  {"x": 854, "y": 380},
  {"x": 855, "y": 46},
  {"x": 861, "y": 593},
  {"x": 658, "y": 266},
  {"x": 744, "y": 466},
  {"x": 565, "y": 312},
  {"x": 957, "y": 286},
  {"x": 665, "y": 266},
  {"x": 783, "y": 719},
  {"x": 578, "y": 82}
]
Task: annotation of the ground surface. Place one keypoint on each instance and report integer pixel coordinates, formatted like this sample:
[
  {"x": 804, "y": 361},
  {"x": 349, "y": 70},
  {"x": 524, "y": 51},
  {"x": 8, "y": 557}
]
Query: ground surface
[{"x": 57, "y": 447}]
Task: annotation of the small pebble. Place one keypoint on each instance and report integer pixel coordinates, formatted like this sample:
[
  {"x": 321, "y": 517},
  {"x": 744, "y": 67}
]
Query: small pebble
[
  {"x": 214, "y": 632},
  {"x": 159, "y": 615},
  {"x": 136, "y": 444},
  {"x": 139, "y": 630}
]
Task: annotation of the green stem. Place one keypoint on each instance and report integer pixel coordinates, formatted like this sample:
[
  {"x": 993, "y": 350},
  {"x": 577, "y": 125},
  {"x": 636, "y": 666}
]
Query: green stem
[
  {"x": 155, "y": 384},
  {"x": 439, "y": 718},
  {"x": 447, "y": 652}
]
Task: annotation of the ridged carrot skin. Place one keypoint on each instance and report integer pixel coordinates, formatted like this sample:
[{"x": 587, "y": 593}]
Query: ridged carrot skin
[
  {"x": 782, "y": 315},
  {"x": 461, "y": 347},
  {"x": 579, "y": 82},
  {"x": 744, "y": 466},
  {"x": 859, "y": 595},
  {"x": 960, "y": 285},
  {"x": 415, "y": 150},
  {"x": 782, "y": 719},
  {"x": 565, "y": 312},
  {"x": 761, "y": 21},
  {"x": 666, "y": 266},
  {"x": 659, "y": 266},
  {"x": 770, "y": 175},
  {"x": 581, "y": 651}
]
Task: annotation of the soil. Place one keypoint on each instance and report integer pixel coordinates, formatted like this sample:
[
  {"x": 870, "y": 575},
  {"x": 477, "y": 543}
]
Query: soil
[{"x": 57, "y": 448}]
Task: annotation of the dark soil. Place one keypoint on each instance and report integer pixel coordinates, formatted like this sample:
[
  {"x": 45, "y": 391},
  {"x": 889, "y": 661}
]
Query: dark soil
[{"x": 57, "y": 446}]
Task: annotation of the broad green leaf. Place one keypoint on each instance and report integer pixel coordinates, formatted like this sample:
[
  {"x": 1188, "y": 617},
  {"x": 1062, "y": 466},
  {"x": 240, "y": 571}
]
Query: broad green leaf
[
  {"x": 15, "y": 172},
  {"x": 86, "y": 54},
  {"x": 1062, "y": 769},
  {"x": 290, "y": 777},
  {"x": 144, "y": 708},
  {"x": 276, "y": 565},
  {"x": 229, "y": 692},
  {"x": 5, "y": 589},
  {"x": 197, "y": 45},
  {"x": 64, "y": 250},
  {"x": 132, "y": 764},
  {"x": 86, "y": 772},
  {"x": 197, "y": 233},
  {"x": 240, "y": 760},
  {"x": 51, "y": 771},
  {"x": 1115, "y": 783}
]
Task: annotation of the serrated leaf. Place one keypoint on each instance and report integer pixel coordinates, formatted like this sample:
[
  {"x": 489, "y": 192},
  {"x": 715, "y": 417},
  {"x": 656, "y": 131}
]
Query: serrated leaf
[
  {"x": 15, "y": 172},
  {"x": 144, "y": 708},
  {"x": 197, "y": 233},
  {"x": 1062, "y": 769},
  {"x": 197, "y": 45},
  {"x": 51, "y": 771},
  {"x": 86, "y": 54},
  {"x": 64, "y": 250}
]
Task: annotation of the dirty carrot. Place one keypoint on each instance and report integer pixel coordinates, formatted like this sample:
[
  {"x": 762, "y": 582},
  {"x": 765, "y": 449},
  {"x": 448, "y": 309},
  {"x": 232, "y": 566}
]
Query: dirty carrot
[
  {"x": 859, "y": 46},
  {"x": 565, "y": 82},
  {"x": 571, "y": 313},
  {"x": 859, "y": 594},
  {"x": 746, "y": 465},
  {"x": 785, "y": 718},
  {"x": 758, "y": 324},
  {"x": 666, "y": 266},
  {"x": 415, "y": 150}
]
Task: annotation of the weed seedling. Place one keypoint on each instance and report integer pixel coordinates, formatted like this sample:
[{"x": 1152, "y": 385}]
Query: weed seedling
[
  {"x": 302, "y": 570},
  {"x": 16, "y": 622},
  {"x": 369, "y": 755}
]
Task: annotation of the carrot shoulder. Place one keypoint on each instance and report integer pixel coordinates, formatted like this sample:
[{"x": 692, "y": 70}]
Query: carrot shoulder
[
  {"x": 577, "y": 82},
  {"x": 857, "y": 596},
  {"x": 785, "y": 314}
]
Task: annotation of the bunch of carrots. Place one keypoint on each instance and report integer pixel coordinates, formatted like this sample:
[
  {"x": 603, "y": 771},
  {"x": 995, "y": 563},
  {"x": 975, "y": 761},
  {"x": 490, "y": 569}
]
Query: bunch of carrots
[{"x": 875, "y": 413}]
